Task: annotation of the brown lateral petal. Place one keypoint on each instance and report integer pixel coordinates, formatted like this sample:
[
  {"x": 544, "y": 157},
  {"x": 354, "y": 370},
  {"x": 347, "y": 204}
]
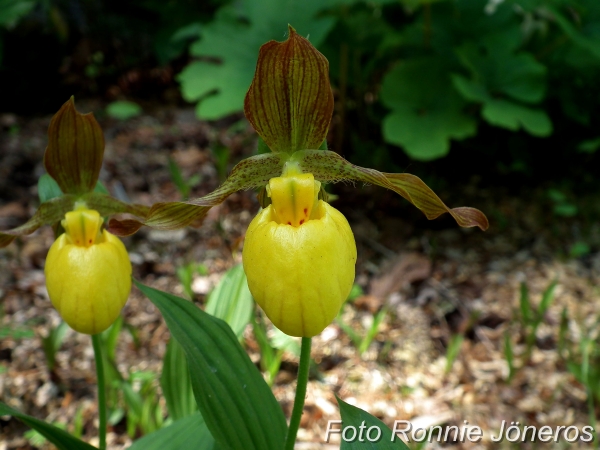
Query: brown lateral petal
[
  {"x": 48, "y": 213},
  {"x": 75, "y": 150},
  {"x": 328, "y": 166},
  {"x": 249, "y": 173},
  {"x": 123, "y": 228},
  {"x": 290, "y": 101}
]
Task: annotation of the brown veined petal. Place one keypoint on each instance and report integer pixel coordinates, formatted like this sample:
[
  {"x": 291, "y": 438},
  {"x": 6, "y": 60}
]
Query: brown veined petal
[
  {"x": 75, "y": 150},
  {"x": 249, "y": 173},
  {"x": 290, "y": 101},
  {"x": 328, "y": 166}
]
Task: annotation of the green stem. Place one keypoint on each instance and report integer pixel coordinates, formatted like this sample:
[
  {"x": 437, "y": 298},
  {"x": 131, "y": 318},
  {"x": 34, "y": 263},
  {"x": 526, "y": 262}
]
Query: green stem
[
  {"x": 97, "y": 343},
  {"x": 290, "y": 439}
]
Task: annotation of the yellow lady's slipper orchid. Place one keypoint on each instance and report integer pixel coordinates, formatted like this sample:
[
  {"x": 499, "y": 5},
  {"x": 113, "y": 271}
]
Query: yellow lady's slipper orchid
[
  {"x": 299, "y": 256},
  {"x": 88, "y": 273}
]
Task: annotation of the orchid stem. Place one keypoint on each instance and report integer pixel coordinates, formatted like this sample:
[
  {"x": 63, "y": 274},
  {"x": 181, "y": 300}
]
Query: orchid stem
[
  {"x": 97, "y": 343},
  {"x": 300, "y": 394}
]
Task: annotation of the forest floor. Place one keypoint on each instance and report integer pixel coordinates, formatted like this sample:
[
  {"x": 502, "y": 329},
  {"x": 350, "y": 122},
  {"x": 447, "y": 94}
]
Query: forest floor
[{"x": 438, "y": 283}]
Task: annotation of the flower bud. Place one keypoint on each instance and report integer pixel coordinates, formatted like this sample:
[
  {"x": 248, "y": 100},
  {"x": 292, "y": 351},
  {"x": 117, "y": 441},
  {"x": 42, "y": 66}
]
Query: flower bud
[
  {"x": 299, "y": 257},
  {"x": 88, "y": 273}
]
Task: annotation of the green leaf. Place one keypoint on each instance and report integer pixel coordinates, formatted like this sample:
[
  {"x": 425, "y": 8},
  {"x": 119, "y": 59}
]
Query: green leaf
[
  {"x": 236, "y": 44},
  {"x": 426, "y": 109},
  {"x": 470, "y": 90},
  {"x": 187, "y": 433},
  {"x": 11, "y": 11},
  {"x": 232, "y": 301},
  {"x": 176, "y": 382},
  {"x": 589, "y": 146},
  {"x": 237, "y": 405},
  {"x": 493, "y": 63},
  {"x": 585, "y": 42},
  {"x": 547, "y": 299},
  {"x": 525, "y": 304},
  {"x": 355, "y": 417},
  {"x": 123, "y": 110},
  {"x": 60, "y": 438},
  {"x": 506, "y": 114},
  {"x": 290, "y": 101},
  {"x": 48, "y": 188},
  {"x": 75, "y": 150}
]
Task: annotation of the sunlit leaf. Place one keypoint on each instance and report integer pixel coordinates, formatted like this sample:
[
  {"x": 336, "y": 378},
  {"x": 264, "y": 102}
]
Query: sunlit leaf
[
  {"x": 235, "y": 401},
  {"x": 75, "y": 150},
  {"x": 249, "y": 173},
  {"x": 290, "y": 101},
  {"x": 60, "y": 438},
  {"x": 328, "y": 166},
  {"x": 426, "y": 110}
]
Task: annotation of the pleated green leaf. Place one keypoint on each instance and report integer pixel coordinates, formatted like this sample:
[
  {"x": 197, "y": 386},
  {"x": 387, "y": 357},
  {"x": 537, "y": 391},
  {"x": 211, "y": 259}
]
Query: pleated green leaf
[
  {"x": 237, "y": 405},
  {"x": 176, "y": 383},
  {"x": 60, "y": 438}
]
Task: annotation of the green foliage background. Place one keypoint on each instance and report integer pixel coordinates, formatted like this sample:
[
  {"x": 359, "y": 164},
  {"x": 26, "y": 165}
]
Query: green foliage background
[{"x": 507, "y": 81}]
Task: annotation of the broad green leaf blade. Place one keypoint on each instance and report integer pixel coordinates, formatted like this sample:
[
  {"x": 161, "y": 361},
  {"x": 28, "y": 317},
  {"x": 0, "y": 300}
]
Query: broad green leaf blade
[
  {"x": 60, "y": 438},
  {"x": 75, "y": 150},
  {"x": 187, "y": 433},
  {"x": 470, "y": 90},
  {"x": 237, "y": 405},
  {"x": 250, "y": 173},
  {"x": 176, "y": 382},
  {"x": 48, "y": 213},
  {"x": 355, "y": 417},
  {"x": 427, "y": 112},
  {"x": 328, "y": 166},
  {"x": 290, "y": 101},
  {"x": 232, "y": 301},
  {"x": 513, "y": 116}
]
